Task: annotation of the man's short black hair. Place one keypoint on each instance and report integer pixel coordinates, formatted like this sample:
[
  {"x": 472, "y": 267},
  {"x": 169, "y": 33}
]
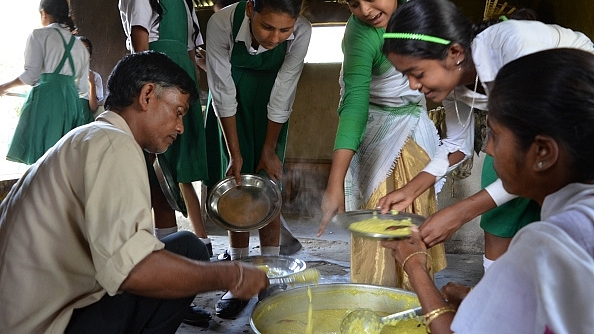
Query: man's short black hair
[{"x": 134, "y": 71}]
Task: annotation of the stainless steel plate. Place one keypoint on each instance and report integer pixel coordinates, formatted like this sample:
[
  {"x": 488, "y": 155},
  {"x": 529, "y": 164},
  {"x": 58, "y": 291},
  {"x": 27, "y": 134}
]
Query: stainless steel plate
[
  {"x": 169, "y": 186},
  {"x": 345, "y": 219},
  {"x": 241, "y": 209},
  {"x": 278, "y": 266}
]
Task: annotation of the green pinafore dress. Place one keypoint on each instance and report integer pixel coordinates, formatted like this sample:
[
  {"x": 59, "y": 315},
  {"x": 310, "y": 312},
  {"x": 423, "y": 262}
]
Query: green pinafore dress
[
  {"x": 186, "y": 157},
  {"x": 51, "y": 109},
  {"x": 254, "y": 77}
]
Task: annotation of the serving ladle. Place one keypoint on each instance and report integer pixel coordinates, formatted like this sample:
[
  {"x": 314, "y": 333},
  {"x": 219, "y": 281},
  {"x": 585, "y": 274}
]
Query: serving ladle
[
  {"x": 311, "y": 275},
  {"x": 365, "y": 321}
]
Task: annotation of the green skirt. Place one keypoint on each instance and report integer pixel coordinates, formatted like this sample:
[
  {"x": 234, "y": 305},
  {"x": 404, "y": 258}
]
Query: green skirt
[
  {"x": 87, "y": 112},
  {"x": 506, "y": 220},
  {"x": 51, "y": 109}
]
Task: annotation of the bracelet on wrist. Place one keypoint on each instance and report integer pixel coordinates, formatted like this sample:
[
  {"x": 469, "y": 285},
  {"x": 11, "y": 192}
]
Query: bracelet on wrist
[
  {"x": 413, "y": 254},
  {"x": 429, "y": 317},
  {"x": 240, "y": 280}
]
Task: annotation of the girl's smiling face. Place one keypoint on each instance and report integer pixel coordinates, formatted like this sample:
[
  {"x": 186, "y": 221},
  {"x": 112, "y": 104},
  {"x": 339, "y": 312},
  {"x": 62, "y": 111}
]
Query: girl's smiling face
[
  {"x": 435, "y": 78},
  {"x": 376, "y": 13}
]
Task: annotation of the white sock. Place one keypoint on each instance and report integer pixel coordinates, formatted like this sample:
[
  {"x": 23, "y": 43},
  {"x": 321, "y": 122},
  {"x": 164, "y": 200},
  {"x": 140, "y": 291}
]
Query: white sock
[
  {"x": 205, "y": 241},
  {"x": 487, "y": 263},
  {"x": 227, "y": 295},
  {"x": 238, "y": 253},
  {"x": 269, "y": 250},
  {"x": 161, "y": 233}
]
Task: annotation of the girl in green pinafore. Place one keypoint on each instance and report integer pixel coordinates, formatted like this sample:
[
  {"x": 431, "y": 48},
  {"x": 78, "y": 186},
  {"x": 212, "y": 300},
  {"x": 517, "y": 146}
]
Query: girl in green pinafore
[
  {"x": 57, "y": 66},
  {"x": 171, "y": 27},
  {"x": 254, "y": 57}
]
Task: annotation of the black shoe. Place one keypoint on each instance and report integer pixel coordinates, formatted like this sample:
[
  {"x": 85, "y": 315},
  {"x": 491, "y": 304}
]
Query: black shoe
[
  {"x": 291, "y": 247},
  {"x": 230, "y": 308},
  {"x": 271, "y": 290},
  {"x": 196, "y": 316},
  {"x": 209, "y": 248},
  {"x": 224, "y": 256}
]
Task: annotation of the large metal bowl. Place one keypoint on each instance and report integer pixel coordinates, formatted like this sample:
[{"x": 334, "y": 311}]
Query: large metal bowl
[
  {"x": 287, "y": 308},
  {"x": 244, "y": 208},
  {"x": 345, "y": 219},
  {"x": 278, "y": 266}
]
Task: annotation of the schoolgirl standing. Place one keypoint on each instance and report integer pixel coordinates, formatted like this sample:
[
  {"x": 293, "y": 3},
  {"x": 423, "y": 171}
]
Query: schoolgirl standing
[{"x": 57, "y": 66}]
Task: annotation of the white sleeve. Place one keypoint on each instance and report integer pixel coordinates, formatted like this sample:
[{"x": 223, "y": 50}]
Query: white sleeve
[
  {"x": 99, "y": 88},
  {"x": 198, "y": 41},
  {"x": 219, "y": 39},
  {"x": 82, "y": 68},
  {"x": 33, "y": 60},
  {"x": 498, "y": 193},
  {"x": 283, "y": 92},
  {"x": 136, "y": 13},
  {"x": 460, "y": 137}
]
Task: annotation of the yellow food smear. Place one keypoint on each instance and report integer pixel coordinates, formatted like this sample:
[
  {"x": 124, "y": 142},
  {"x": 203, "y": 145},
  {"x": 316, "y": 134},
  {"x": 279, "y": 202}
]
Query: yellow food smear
[
  {"x": 243, "y": 207},
  {"x": 309, "y": 328},
  {"x": 383, "y": 226}
]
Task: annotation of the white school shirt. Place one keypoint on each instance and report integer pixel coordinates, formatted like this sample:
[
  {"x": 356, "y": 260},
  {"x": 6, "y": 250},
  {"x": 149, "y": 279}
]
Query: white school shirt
[
  {"x": 44, "y": 51},
  {"x": 140, "y": 13},
  {"x": 98, "y": 89},
  {"x": 491, "y": 50},
  {"x": 546, "y": 277},
  {"x": 219, "y": 46}
]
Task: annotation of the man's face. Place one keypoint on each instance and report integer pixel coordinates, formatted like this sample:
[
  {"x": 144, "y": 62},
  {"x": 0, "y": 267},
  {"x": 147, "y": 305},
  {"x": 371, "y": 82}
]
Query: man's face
[{"x": 164, "y": 119}]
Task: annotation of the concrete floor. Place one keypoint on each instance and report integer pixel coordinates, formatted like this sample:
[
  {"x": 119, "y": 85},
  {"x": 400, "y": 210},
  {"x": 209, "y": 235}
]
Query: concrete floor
[{"x": 329, "y": 254}]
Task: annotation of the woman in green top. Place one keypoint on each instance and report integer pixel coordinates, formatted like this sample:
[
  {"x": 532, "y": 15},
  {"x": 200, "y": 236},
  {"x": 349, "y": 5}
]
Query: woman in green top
[
  {"x": 254, "y": 57},
  {"x": 384, "y": 138}
]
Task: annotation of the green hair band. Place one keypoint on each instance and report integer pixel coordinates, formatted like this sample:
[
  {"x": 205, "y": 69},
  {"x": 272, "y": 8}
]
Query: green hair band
[{"x": 420, "y": 37}]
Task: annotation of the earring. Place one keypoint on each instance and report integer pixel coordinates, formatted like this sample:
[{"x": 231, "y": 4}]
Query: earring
[{"x": 540, "y": 164}]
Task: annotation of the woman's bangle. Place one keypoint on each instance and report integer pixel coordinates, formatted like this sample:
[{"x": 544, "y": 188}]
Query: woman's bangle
[
  {"x": 238, "y": 284},
  {"x": 429, "y": 317},
  {"x": 413, "y": 254}
]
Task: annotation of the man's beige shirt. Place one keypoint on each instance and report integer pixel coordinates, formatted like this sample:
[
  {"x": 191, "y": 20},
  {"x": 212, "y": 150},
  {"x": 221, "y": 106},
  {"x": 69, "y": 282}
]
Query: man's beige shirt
[{"x": 73, "y": 227}]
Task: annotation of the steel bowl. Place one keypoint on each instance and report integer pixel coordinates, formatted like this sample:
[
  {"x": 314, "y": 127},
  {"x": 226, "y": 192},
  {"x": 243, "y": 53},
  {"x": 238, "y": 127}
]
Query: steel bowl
[
  {"x": 278, "y": 266},
  {"x": 286, "y": 312},
  {"x": 244, "y": 208},
  {"x": 345, "y": 219}
]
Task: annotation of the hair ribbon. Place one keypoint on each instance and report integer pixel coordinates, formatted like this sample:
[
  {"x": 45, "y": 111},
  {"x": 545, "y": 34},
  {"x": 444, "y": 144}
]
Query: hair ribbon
[{"x": 419, "y": 37}]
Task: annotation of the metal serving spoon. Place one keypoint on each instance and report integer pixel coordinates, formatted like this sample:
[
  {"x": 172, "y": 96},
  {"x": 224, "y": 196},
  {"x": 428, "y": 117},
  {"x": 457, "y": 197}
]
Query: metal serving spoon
[
  {"x": 311, "y": 275},
  {"x": 367, "y": 322}
]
